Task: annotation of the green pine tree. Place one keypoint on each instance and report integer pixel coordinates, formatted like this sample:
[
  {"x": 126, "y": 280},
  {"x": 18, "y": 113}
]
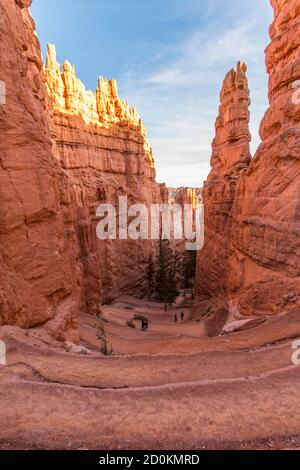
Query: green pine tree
[
  {"x": 150, "y": 276},
  {"x": 167, "y": 271},
  {"x": 189, "y": 268}
]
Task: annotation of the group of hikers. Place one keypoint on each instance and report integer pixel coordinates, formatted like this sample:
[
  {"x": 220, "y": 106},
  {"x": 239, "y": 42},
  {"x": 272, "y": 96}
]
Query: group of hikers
[
  {"x": 145, "y": 325},
  {"x": 181, "y": 316},
  {"x": 145, "y": 322}
]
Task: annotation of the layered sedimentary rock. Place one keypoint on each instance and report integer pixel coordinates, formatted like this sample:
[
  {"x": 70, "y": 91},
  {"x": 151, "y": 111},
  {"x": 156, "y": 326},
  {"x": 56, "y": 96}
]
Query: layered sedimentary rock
[
  {"x": 230, "y": 158},
  {"x": 182, "y": 197},
  {"x": 185, "y": 195},
  {"x": 60, "y": 159},
  {"x": 262, "y": 276},
  {"x": 39, "y": 280},
  {"x": 64, "y": 151},
  {"x": 102, "y": 146}
]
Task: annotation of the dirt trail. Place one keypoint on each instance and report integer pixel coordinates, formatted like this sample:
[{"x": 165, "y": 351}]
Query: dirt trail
[{"x": 226, "y": 392}]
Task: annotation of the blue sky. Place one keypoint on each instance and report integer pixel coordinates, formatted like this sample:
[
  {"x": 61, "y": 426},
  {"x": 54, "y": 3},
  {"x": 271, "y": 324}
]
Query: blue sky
[{"x": 169, "y": 58}]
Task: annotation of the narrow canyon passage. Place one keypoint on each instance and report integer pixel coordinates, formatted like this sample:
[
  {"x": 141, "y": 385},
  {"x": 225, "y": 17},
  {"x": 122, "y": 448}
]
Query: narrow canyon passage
[{"x": 215, "y": 370}]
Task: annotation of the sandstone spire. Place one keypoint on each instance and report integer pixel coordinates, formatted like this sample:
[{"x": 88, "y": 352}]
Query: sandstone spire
[
  {"x": 230, "y": 156},
  {"x": 261, "y": 227},
  {"x": 265, "y": 269},
  {"x": 230, "y": 147}
]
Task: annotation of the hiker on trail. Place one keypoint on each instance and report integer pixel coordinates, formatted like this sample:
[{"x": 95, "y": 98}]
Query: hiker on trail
[
  {"x": 182, "y": 316},
  {"x": 143, "y": 325},
  {"x": 175, "y": 317}
]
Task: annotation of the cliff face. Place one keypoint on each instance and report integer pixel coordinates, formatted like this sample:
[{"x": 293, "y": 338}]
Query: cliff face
[
  {"x": 184, "y": 195},
  {"x": 102, "y": 146},
  {"x": 60, "y": 159},
  {"x": 230, "y": 158},
  {"x": 263, "y": 270},
  {"x": 64, "y": 151},
  {"x": 38, "y": 277}
]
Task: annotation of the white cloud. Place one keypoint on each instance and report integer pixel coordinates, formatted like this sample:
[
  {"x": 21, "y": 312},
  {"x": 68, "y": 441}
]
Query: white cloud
[
  {"x": 183, "y": 175},
  {"x": 177, "y": 92}
]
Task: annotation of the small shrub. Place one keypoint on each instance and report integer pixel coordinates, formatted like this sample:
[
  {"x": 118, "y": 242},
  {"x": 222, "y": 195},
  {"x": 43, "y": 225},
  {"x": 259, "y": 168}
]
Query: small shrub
[
  {"x": 105, "y": 348},
  {"x": 140, "y": 318},
  {"x": 130, "y": 324}
]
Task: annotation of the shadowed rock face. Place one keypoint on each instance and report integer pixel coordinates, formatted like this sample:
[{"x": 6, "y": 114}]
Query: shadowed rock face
[
  {"x": 262, "y": 275},
  {"x": 38, "y": 278}
]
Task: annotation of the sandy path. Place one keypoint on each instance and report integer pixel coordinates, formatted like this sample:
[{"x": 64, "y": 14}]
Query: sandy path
[
  {"x": 225, "y": 392},
  {"x": 144, "y": 370},
  {"x": 175, "y": 416}
]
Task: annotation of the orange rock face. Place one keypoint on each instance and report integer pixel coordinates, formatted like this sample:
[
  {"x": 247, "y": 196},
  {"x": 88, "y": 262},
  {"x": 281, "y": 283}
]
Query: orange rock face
[
  {"x": 262, "y": 275},
  {"x": 38, "y": 279},
  {"x": 230, "y": 158},
  {"x": 60, "y": 159},
  {"x": 182, "y": 196},
  {"x": 64, "y": 151},
  {"x": 103, "y": 148}
]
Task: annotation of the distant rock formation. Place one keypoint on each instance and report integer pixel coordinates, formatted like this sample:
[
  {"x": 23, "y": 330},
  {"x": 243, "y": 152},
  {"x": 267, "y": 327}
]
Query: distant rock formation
[
  {"x": 261, "y": 230},
  {"x": 185, "y": 195}
]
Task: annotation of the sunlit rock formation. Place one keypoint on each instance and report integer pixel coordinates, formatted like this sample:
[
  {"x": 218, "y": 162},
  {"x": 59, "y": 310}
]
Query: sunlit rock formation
[
  {"x": 230, "y": 158},
  {"x": 102, "y": 145},
  {"x": 262, "y": 274}
]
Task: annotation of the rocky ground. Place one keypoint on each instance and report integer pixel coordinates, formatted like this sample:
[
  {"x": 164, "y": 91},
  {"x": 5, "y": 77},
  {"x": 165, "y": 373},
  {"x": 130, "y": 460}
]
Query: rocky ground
[{"x": 169, "y": 387}]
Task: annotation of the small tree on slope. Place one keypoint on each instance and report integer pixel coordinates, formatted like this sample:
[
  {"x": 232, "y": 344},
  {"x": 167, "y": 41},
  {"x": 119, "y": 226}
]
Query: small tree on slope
[
  {"x": 150, "y": 276},
  {"x": 166, "y": 278}
]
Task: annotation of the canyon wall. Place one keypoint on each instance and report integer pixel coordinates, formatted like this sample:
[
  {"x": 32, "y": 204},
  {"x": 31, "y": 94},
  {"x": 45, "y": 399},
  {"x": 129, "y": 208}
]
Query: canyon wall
[
  {"x": 230, "y": 158},
  {"x": 185, "y": 195},
  {"x": 64, "y": 151},
  {"x": 181, "y": 197},
  {"x": 255, "y": 233},
  {"x": 102, "y": 146},
  {"x": 39, "y": 278}
]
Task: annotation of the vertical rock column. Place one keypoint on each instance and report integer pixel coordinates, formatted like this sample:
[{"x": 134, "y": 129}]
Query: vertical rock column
[
  {"x": 265, "y": 264},
  {"x": 230, "y": 158}
]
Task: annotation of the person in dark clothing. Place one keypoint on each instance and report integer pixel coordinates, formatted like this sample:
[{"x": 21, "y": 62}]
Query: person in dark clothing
[
  {"x": 182, "y": 316},
  {"x": 143, "y": 325}
]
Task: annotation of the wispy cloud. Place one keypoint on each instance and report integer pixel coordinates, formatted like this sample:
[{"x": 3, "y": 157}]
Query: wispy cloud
[
  {"x": 177, "y": 91},
  {"x": 170, "y": 58}
]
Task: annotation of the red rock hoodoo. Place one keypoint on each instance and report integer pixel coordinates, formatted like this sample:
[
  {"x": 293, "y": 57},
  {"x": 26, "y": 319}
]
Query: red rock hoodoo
[
  {"x": 251, "y": 255},
  {"x": 230, "y": 157}
]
